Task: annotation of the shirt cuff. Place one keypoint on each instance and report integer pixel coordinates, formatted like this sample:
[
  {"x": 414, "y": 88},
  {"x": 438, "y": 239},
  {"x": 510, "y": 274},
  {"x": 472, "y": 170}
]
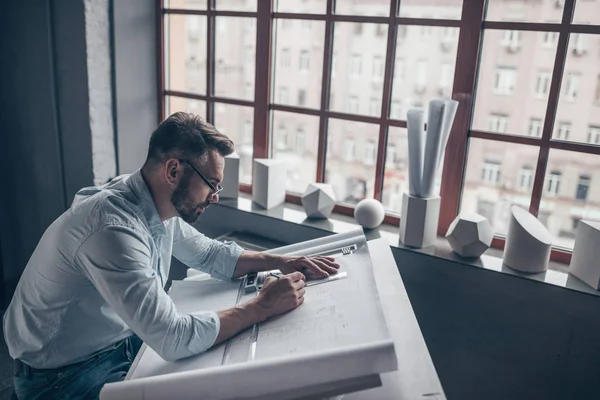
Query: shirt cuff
[
  {"x": 228, "y": 255},
  {"x": 209, "y": 328}
]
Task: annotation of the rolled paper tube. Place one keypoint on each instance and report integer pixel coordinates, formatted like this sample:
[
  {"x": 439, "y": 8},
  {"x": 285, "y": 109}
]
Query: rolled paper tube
[
  {"x": 414, "y": 125},
  {"x": 449, "y": 114},
  {"x": 433, "y": 145}
]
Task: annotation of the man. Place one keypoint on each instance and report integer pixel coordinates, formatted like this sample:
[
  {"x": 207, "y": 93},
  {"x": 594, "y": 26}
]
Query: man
[{"x": 94, "y": 284}]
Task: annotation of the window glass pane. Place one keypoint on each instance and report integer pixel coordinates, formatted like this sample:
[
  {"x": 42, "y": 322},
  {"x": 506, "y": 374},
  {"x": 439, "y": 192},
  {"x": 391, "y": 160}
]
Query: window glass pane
[
  {"x": 186, "y": 4},
  {"x": 571, "y": 192},
  {"x": 578, "y": 113},
  {"x": 295, "y": 138},
  {"x": 235, "y": 55},
  {"x": 301, "y": 7},
  {"x": 298, "y": 62},
  {"x": 495, "y": 180},
  {"x": 174, "y": 104},
  {"x": 513, "y": 83},
  {"x": 357, "y": 72},
  {"x": 525, "y": 11},
  {"x": 439, "y": 9},
  {"x": 363, "y": 7},
  {"x": 237, "y": 122},
  {"x": 395, "y": 179},
  {"x": 424, "y": 67},
  {"x": 587, "y": 12},
  {"x": 236, "y": 5},
  {"x": 351, "y": 159},
  {"x": 185, "y": 53}
]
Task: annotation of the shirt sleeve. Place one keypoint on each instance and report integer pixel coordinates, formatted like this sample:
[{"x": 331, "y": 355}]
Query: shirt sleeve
[
  {"x": 117, "y": 260},
  {"x": 219, "y": 259}
]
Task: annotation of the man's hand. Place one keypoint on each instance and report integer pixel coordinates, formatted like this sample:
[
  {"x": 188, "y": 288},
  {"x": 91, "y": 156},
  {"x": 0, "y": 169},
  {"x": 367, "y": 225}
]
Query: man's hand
[
  {"x": 278, "y": 296},
  {"x": 313, "y": 267}
]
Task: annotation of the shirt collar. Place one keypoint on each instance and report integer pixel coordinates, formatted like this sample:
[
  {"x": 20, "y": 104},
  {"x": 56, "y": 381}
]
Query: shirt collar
[{"x": 140, "y": 188}]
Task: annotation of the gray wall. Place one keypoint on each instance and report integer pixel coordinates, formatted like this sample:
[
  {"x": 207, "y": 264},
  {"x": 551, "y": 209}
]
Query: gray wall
[{"x": 490, "y": 335}]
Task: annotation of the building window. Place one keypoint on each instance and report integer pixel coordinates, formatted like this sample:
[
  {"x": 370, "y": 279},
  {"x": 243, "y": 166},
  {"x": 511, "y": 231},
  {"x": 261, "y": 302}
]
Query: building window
[
  {"x": 355, "y": 65},
  {"x": 248, "y": 132},
  {"x": 542, "y": 83},
  {"x": 282, "y": 137},
  {"x": 446, "y": 76},
  {"x": 504, "y": 80},
  {"x": 378, "y": 67},
  {"x": 579, "y": 44},
  {"x": 511, "y": 40},
  {"x": 304, "y": 61},
  {"x": 249, "y": 55},
  {"x": 395, "y": 109},
  {"x": 283, "y": 95},
  {"x": 358, "y": 28},
  {"x": 498, "y": 123},
  {"x": 593, "y": 135},
  {"x": 549, "y": 40},
  {"x": 390, "y": 158},
  {"x": 301, "y": 97},
  {"x": 352, "y": 106},
  {"x": 535, "y": 127},
  {"x": 491, "y": 172},
  {"x": 300, "y": 139},
  {"x": 525, "y": 178},
  {"x": 380, "y": 30},
  {"x": 553, "y": 184},
  {"x": 285, "y": 58},
  {"x": 572, "y": 86},
  {"x": 563, "y": 130},
  {"x": 370, "y": 153},
  {"x": 286, "y": 23},
  {"x": 349, "y": 148},
  {"x": 374, "y": 108},
  {"x": 582, "y": 187}
]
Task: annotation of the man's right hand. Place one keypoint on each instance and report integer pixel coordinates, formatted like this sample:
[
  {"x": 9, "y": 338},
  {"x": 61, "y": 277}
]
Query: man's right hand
[{"x": 278, "y": 296}]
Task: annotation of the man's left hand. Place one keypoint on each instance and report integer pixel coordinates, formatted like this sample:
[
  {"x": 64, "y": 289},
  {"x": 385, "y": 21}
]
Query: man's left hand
[{"x": 312, "y": 267}]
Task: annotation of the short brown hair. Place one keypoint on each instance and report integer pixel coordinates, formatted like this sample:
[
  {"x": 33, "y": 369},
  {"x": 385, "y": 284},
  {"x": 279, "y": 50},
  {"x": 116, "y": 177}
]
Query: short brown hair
[{"x": 186, "y": 136}]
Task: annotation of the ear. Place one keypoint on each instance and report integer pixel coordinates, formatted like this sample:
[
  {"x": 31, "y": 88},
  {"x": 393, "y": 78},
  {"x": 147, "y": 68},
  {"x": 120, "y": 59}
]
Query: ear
[{"x": 173, "y": 171}]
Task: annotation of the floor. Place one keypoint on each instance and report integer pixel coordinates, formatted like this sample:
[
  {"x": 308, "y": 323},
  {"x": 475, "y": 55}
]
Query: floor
[{"x": 5, "y": 369}]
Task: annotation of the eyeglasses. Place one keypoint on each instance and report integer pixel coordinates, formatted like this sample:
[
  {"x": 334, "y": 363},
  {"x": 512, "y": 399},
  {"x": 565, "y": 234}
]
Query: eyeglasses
[{"x": 215, "y": 190}]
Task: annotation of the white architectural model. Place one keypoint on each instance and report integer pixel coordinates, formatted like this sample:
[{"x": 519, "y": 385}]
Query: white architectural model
[
  {"x": 268, "y": 184},
  {"x": 586, "y": 254},
  {"x": 318, "y": 200},
  {"x": 470, "y": 235},
  {"x": 369, "y": 213},
  {"x": 528, "y": 243},
  {"x": 231, "y": 179},
  {"x": 419, "y": 221}
]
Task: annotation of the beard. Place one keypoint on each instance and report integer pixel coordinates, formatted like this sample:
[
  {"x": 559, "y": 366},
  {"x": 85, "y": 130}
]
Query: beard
[{"x": 183, "y": 202}]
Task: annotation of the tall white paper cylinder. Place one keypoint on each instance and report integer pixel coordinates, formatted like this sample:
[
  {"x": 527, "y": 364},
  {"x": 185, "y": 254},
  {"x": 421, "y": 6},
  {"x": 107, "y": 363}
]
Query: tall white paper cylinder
[
  {"x": 414, "y": 125},
  {"x": 433, "y": 145}
]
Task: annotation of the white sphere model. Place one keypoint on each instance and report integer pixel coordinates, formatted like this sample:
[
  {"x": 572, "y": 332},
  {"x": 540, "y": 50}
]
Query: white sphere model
[{"x": 369, "y": 213}]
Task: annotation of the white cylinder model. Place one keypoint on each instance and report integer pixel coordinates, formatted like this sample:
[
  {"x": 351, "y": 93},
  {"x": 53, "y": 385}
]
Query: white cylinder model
[{"x": 528, "y": 243}]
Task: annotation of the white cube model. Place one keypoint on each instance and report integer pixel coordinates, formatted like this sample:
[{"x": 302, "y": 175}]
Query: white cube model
[
  {"x": 419, "y": 221},
  {"x": 231, "y": 177},
  {"x": 318, "y": 200},
  {"x": 528, "y": 243},
  {"x": 268, "y": 183},
  {"x": 470, "y": 235},
  {"x": 585, "y": 262}
]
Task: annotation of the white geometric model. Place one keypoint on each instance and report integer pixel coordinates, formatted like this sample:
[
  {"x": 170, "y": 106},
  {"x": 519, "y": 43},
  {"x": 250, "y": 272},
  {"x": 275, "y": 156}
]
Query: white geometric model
[
  {"x": 231, "y": 177},
  {"x": 419, "y": 221},
  {"x": 585, "y": 262},
  {"x": 470, "y": 235},
  {"x": 318, "y": 200},
  {"x": 528, "y": 243},
  {"x": 369, "y": 213},
  {"x": 268, "y": 184}
]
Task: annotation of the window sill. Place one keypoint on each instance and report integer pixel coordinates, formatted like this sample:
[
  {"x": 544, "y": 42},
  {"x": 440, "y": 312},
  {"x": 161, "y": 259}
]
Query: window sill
[{"x": 491, "y": 260}]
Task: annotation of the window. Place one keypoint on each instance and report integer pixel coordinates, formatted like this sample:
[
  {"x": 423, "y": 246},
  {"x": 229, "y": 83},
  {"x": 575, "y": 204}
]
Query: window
[
  {"x": 491, "y": 172},
  {"x": 355, "y": 65},
  {"x": 563, "y": 131},
  {"x": 446, "y": 76},
  {"x": 349, "y": 148},
  {"x": 593, "y": 134},
  {"x": 504, "y": 80},
  {"x": 525, "y": 180},
  {"x": 249, "y": 55},
  {"x": 390, "y": 158},
  {"x": 579, "y": 44},
  {"x": 370, "y": 153},
  {"x": 553, "y": 183},
  {"x": 550, "y": 39},
  {"x": 282, "y": 137},
  {"x": 498, "y": 123},
  {"x": 285, "y": 58},
  {"x": 301, "y": 97},
  {"x": 535, "y": 127},
  {"x": 352, "y": 107},
  {"x": 283, "y": 95},
  {"x": 374, "y": 108},
  {"x": 378, "y": 67},
  {"x": 300, "y": 140},
  {"x": 582, "y": 187},
  {"x": 572, "y": 86},
  {"x": 287, "y": 23},
  {"x": 511, "y": 40},
  {"x": 304, "y": 61},
  {"x": 542, "y": 84},
  {"x": 358, "y": 28},
  {"x": 380, "y": 30}
]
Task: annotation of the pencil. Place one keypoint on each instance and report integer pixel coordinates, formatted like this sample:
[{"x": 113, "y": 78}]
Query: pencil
[{"x": 274, "y": 275}]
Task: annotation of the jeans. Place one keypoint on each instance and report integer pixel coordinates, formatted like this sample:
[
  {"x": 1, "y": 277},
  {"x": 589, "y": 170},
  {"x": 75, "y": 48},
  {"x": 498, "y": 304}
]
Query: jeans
[{"x": 82, "y": 380}]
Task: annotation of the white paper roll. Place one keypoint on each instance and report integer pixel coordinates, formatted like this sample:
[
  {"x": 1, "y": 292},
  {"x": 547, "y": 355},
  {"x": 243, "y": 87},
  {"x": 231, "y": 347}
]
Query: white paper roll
[
  {"x": 414, "y": 125},
  {"x": 433, "y": 145}
]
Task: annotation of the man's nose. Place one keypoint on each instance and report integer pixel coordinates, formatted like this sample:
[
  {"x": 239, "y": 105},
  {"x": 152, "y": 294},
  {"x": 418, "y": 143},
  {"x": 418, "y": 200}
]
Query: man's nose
[{"x": 214, "y": 198}]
